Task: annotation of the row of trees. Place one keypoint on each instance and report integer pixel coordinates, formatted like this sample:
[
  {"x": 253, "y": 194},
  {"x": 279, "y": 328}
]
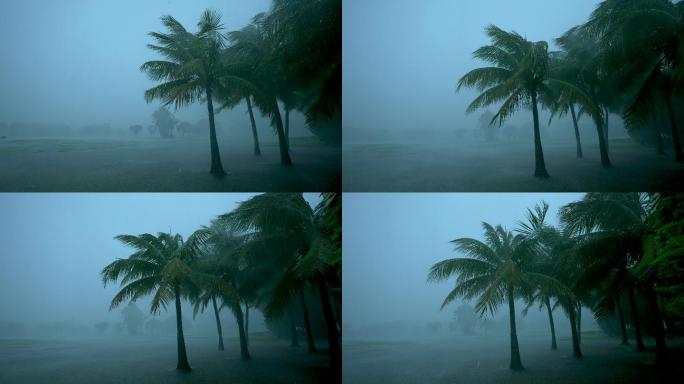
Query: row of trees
[
  {"x": 262, "y": 255},
  {"x": 609, "y": 251},
  {"x": 625, "y": 59},
  {"x": 290, "y": 55}
]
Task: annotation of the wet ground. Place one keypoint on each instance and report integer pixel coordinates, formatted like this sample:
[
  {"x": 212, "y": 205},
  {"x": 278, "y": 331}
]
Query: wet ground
[
  {"x": 173, "y": 165},
  {"x": 505, "y": 167},
  {"x": 153, "y": 360},
  {"x": 485, "y": 359}
]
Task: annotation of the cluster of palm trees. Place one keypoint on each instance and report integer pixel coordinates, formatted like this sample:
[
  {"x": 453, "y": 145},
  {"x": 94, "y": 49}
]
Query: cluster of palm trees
[
  {"x": 608, "y": 250},
  {"x": 289, "y": 56},
  {"x": 626, "y": 59},
  {"x": 263, "y": 254}
]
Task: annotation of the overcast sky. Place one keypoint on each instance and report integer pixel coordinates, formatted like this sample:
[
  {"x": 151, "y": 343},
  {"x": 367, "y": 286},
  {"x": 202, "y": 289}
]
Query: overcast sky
[
  {"x": 391, "y": 240},
  {"x": 77, "y": 62},
  {"x": 403, "y": 58},
  {"x": 54, "y": 246}
]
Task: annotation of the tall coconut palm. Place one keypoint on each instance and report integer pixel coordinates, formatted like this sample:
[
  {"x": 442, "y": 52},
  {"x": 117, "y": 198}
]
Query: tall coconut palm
[
  {"x": 582, "y": 64},
  {"x": 191, "y": 69},
  {"x": 310, "y": 34},
  {"x": 496, "y": 271},
  {"x": 232, "y": 93},
  {"x": 226, "y": 276},
  {"x": 518, "y": 78},
  {"x": 614, "y": 225},
  {"x": 255, "y": 56},
  {"x": 161, "y": 265},
  {"x": 643, "y": 40},
  {"x": 284, "y": 228}
]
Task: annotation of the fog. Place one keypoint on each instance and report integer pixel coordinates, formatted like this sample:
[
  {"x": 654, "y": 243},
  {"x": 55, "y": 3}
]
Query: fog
[
  {"x": 406, "y": 126},
  {"x": 74, "y": 117},
  {"x": 402, "y": 62},
  {"x": 55, "y": 246},
  {"x": 391, "y": 241},
  {"x": 76, "y": 63}
]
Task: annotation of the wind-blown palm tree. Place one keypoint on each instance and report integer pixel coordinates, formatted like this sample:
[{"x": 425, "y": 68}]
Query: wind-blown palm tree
[
  {"x": 642, "y": 39},
  {"x": 161, "y": 265},
  {"x": 191, "y": 71},
  {"x": 614, "y": 225},
  {"x": 285, "y": 230},
  {"x": 310, "y": 36},
  {"x": 518, "y": 78},
  {"x": 254, "y": 55},
  {"x": 582, "y": 64},
  {"x": 496, "y": 271}
]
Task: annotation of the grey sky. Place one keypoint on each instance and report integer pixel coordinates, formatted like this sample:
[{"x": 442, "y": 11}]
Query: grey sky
[
  {"x": 403, "y": 58},
  {"x": 77, "y": 62},
  {"x": 55, "y": 245},
  {"x": 391, "y": 240}
]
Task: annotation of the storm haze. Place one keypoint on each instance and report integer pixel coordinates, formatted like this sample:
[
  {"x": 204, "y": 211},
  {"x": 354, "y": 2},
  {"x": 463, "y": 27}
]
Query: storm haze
[{"x": 402, "y": 60}]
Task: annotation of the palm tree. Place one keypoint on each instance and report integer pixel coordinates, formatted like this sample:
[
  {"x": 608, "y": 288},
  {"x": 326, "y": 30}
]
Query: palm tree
[
  {"x": 642, "y": 40},
  {"x": 254, "y": 56},
  {"x": 536, "y": 229},
  {"x": 191, "y": 71},
  {"x": 161, "y": 265},
  {"x": 497, "y": 270},
  {"x": 232, "y": 93},
  {"x": 614, "y": 225},
  {"x": 561, "y": 106},
  {"x": 224, "y": 276},
  {"x": 518, "y": 78},
  {"x": 285, "y": 230},
  {"x": 310, "y": 34},
  {"x": 580, "y": 63}
]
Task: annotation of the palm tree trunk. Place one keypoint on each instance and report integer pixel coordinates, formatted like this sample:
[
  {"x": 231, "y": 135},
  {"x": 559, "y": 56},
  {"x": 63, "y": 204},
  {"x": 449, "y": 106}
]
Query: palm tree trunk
[
  {"x": 579, "y": 323},
  {"x": 334, "y": 347},
  {"x": 307, "y": 323},
  {"x": 183, "y": 364},
  {"x": 516, "y": 364},
  {"x": 675, "y": 132},
  {"x": 577, "y": 133},
  {"x": 237, "y": 311},
  {"x": 603, "y": 146},
  {"x": 282, "y": 140},
  {"x": 247, "y": 323},
  {"x": 287, "y": 125},
  {"x": 293, "y": 328},
  {"x": 216, "y": 166},
  {"x": 635, "y": 320},
  {"x": 623, "y": 328},
  {"x": 576, "y": 351},
  {"x": 257, "y": 150},
  {"x": 218, "y": 324},
  {"x": 661, "y": 347},
  {"x": 539, "y": 165},
  {"x": 553, "y": 328}
]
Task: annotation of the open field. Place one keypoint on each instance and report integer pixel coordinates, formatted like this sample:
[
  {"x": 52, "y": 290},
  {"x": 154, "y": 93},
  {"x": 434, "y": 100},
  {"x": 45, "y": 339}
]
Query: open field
[
  {"x": 153, "y": 360},
  {"x": 173, "y": 165},
  {"x": 505, "y": 167},
  {"x": 482, "y": 359}
]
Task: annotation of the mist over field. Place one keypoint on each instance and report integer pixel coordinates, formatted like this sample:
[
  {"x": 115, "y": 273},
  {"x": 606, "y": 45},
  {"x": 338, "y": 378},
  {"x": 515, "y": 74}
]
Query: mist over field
[
  {"x": 80, "y": 104},
  {"x": 450, "y": 288},
  {"x": 406, "y": 127},
  {"x": 57, "y": 325}
]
